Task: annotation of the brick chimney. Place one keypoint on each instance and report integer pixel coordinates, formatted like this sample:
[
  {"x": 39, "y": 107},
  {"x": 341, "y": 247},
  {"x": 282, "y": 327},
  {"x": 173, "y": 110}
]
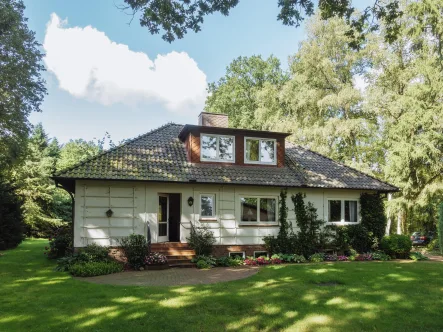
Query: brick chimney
[{"x": 213, "y": 120}]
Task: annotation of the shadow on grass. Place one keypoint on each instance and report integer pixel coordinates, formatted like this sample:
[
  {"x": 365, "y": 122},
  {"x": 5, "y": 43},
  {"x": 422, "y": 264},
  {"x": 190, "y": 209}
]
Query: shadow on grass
[{"x": 379, "y": 296}]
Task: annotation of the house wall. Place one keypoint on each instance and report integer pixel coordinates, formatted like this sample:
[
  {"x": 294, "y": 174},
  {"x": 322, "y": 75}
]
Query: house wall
[{"x": 135, "y": 206}]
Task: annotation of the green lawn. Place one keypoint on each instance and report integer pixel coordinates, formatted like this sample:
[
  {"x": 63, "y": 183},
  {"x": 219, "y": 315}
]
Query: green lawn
[{"x": 378, "y": 296}]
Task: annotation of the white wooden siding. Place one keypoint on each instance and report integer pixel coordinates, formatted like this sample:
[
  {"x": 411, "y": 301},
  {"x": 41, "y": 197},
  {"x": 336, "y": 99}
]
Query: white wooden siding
[{"x": 135, "y": 205}]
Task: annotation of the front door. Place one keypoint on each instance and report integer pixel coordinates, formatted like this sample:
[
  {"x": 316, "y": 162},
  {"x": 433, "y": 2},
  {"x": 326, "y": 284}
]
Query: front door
[{"x": 162, "y": 218}]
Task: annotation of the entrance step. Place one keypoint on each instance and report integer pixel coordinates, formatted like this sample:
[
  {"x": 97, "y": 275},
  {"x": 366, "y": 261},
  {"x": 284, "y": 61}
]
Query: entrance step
[
  {"x": 178, "y": 254},
  {"x": 183, "y": 265}
]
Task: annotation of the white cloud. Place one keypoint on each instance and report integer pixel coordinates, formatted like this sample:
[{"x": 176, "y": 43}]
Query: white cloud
[
  {"x": 89, "y": 65},
  {"x": 360, "y": 83}
]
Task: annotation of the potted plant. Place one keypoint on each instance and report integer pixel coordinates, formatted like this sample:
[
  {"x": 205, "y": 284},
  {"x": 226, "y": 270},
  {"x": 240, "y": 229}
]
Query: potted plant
[{"x": 156, "y": 261}]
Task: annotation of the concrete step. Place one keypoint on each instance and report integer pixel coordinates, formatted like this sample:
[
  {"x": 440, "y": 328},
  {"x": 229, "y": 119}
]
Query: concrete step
[
  {"x": 169, "y": 245},
  {"x": 177, "y": 252},
  {"x": 189, "y": 257}
]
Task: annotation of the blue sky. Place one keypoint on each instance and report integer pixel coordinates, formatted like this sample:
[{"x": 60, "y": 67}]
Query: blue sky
[{"x": 127, "y": 96}]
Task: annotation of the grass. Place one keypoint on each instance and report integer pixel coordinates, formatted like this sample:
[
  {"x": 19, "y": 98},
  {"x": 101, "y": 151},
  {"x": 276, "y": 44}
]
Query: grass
[{"x": 359, "y": 296}]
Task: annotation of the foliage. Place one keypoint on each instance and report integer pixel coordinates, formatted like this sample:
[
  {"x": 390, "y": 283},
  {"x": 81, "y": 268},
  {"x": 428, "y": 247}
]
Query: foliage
[
  {"x": 373, "y": 217},
  {"x": 380, "y": 256},
  {"x": 209, "y": 259},
  {"x": 60, "y": 243},
  {"x": 176, "y": 17},
  {"x": 11, "y": 218},
  {"x": 417, "y": 256},
  {"x": 396, "y": 245},
  {"x": 201, "y": 240},
  {"x": 308, "y": 223},
  {"x": 92, "y": 253},
  {"x": 202, "y": 264},
  {"x": 357, "y": 237},
  {"x": 21, "y": 86},
  {"x": 229, "y": 261},
  {"x": 331, "y": 258},
  {"x": 440, "y": 228},
  {"x": 35, "y": 186},
  {"x": 298, "y": 258},
  {"x": 236, "y": 93},
  {"x": 76, "y": 151},
  {"x": 135, "y": 249},
  {"x": 155, "y": 258},
  {"x": 364, "y": 257},
  {"x": 433, "y": 245},
  {"x": 317, "y": 258},
  {"x": 91, "y": 269}
]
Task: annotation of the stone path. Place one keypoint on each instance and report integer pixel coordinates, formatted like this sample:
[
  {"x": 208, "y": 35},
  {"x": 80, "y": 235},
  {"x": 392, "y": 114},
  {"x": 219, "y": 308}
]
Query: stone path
[{"x": 175, "y": 277}]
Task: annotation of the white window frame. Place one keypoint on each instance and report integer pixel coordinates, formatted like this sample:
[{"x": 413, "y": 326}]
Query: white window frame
[
  {"x": 259, "y": 151},
  {"x": 258, "y": 222},
  {"x": 237, "y": 253},
  {"x": 214, "y": 211},
  {"x": 342, "y": 220},
  {"x": 217, "y": 159}
]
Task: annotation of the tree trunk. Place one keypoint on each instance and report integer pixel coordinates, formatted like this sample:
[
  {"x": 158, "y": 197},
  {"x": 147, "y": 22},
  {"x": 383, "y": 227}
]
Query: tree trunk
[
  {"x": 399, "y": 217},
  {"x": 388, "y": 224}
]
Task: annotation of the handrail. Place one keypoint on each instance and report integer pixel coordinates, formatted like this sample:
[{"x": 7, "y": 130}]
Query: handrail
[{"x": 149, "y": 238}]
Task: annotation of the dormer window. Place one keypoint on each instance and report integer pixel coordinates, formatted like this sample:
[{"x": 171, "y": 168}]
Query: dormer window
[
  {"x": 260, "y": 151},
  {"x": 217, "y": 148}
]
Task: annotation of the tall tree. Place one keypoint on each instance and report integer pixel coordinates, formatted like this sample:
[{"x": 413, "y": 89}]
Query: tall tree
[
  {"x": 235, "y": 93},
  {"x": 21, "y": 85},
  {"x": 76, "y": 151},
  {"x": 406, "y": 93},
  {"x": 36, "y": 187},
  {"x": 176, "y": 17}
]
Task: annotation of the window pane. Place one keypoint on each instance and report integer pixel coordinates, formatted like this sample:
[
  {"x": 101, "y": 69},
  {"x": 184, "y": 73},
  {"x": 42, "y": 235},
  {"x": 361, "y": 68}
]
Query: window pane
[
  {"x": 226, "y": 148},
  {"x": 163, "y": 229},
  {"x": 258, "y": 254},
  {"x": 267, "y": 209},
  {"x": 252, "y": 153},
  {"x": 209, "y": 147},
  {"x": 267, "y": 151},
  {"x": 248, "y": 209},
  {"x": 351, "y": 211},
  {"x": 207, "y": 206},
  {"x": 335, "y": 210}
]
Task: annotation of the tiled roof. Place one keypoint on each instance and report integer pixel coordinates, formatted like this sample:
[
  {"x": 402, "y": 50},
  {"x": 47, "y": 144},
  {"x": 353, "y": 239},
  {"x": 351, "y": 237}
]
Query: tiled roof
[{"x": 160, "y": 156}]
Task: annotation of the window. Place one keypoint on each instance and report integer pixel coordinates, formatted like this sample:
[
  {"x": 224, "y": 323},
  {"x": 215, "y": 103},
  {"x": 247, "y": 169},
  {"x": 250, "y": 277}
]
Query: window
[
  {"x": 342, "y": 211},
  {"x": 207, "y": 206},
  {"x": 258, "y": 209},
  {"x": 217, "y": 148},
  {"x": 260, "y": 151},
  {"x": 234, "y": 255}
]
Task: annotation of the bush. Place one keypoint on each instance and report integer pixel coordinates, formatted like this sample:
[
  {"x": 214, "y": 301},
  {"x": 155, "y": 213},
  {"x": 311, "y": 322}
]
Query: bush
[
  {"x": 433, "y": 245},
  {"x": 155, "y": 258},
  {"x": 92, "y": 253},
  {"x": 91, "y": 269},
  {"x": 208, "y": 259},
  {"x": 298, "y": 258},
  {"x": 135, "y": 249},
  {"x": 364, "y": 257},
  {"x": 60, "y": 244},
  {"x": 201, "y": 240},
  {"x": 396, "y": 245},
  {"x": 11, "y": 218},
  {"x": 202, "y": 264},
  {"x": 250, "y": 261},
  {"x": 380, "y": 256},
  {"x": 417, "y": 256},
  {"x": 373, "y": 217},
  {"x": 229, "y": 261},
  {"x": 331, "y": 258},
  {"x": 316, "y": 258}
]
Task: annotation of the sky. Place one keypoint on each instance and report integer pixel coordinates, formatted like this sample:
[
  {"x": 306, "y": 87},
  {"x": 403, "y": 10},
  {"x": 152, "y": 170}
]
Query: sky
[{"x": 105, "y": 75}]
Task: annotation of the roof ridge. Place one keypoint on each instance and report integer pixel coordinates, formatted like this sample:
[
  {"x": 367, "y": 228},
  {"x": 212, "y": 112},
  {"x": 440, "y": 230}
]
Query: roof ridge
[
  {"x": 132, "y": 140},
  {"x": 341, "y": 164}
]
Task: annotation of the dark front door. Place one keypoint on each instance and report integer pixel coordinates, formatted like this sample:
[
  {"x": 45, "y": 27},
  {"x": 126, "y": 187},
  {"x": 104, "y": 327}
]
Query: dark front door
[{"x": 174, "y": 217}]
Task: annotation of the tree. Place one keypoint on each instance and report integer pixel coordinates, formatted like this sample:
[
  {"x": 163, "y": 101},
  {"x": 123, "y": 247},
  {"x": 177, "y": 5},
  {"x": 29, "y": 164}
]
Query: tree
[
  {"x": 11, "y": 218},
  {"x": 406, "y": 92},
  {"x": 35, "y": 186},
  {"x": 235, "y": 93},
  {"x": 76, "y": 151},
  {"x": 440, "y": 228},
  {"x": 21, "y": 85},
  {"x": 176, "y": 17}
]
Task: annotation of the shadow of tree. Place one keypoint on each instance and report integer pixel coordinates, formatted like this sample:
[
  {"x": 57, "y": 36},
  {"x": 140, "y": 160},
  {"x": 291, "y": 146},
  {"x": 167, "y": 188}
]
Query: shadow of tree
[{"x": 376, "y": 296}]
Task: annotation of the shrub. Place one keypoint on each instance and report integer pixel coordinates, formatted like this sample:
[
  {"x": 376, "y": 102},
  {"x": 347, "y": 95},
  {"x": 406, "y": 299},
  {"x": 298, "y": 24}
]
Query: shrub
[
  {"x": 155, "y": 258},
  {"x": 342, "y": 258},
  {"x": 250, "y": 261},
  {"x": 373, "y": 217},
  {"x": 263, "y": 260},
  {"x": 11, "y": 218},
  {"x": 229, "y": 261},
  {"x": 396, "y": 245},
  {"x": 417, "y": 256},
  {"x": 316, "y": 258},
  {"x": 211, "y": 260},
  {"x": 91, "y": 269},
  {"x": 433, "y": 245},
  {"x": 331, "y": 258},
  {"x": 364, "y": 257},
  {"x": 135, "y": 249},
  {"x": 89, "y": 254},
  {"x": 60, "y": 244},
  {"x": 202, "y": 264},
  {"x": 299, "y": 258},
  {"x": 275, "y": 259},
  {"x": 201, "y": 240},
  {"x": 380, "y": 256}
]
